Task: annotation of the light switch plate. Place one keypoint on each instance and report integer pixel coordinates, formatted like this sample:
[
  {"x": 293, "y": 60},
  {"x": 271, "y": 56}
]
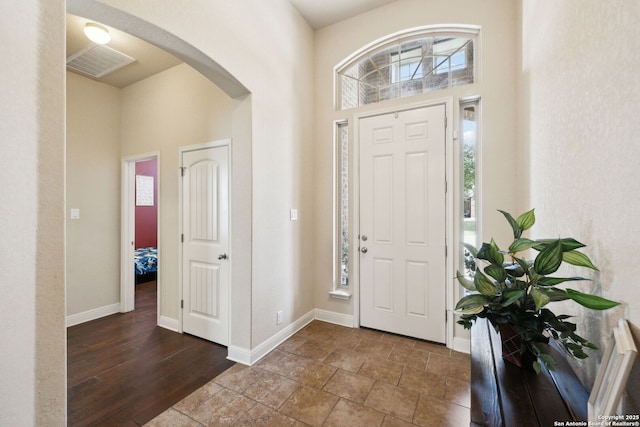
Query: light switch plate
[
  {"x": 75, "y": 213},
  {"x": 294, "y": 214}
]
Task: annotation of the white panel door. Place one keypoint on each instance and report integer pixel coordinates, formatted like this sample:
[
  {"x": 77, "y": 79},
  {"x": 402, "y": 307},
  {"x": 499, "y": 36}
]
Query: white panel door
[
  {"x": 402, "y": 222},
  {"x": 205, "y": 264}
]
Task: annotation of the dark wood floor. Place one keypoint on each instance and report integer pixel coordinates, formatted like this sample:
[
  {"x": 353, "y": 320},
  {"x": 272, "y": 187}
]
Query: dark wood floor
[{"x": 123, "y": 370}]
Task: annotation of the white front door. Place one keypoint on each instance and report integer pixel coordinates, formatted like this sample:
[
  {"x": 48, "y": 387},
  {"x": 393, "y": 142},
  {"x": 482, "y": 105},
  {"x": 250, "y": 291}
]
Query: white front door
[
  {"x": 402, "y": 222},
  {"x": 205, "y": 252}
]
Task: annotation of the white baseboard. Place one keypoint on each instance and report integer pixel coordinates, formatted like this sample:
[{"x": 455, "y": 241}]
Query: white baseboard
[
  {"x": 462, "y": 345},
  {"x": 169, "y": 323},
  {"x": 96, "y": 313},
  {"x": 249, "y": 357},
  {"x": 333, "y": 317}
]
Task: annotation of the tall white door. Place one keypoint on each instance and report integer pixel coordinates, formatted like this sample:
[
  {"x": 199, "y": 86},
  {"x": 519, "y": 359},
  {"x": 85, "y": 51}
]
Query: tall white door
[
  {"x": 402, "y": 222},
  {"x": 205, "y": 264}
]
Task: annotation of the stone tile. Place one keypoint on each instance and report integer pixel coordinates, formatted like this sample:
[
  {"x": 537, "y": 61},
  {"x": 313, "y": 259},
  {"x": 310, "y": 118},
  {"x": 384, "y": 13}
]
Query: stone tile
[
  {"x": 349, "y": 386},
  {"x": 312, "y": 373},
  {"x": 271, "y": 389},
  {"x": 398, "y": 340},
  {"x": 374, "y": 348},
  {"x": 410, "y": 357},
  {"x": 261, "y": 416},
  {"x": 238, "y": 377},
  {"x": 382, "y": 369},
  {"x": 435, "y": 412},
  {"x": 390, "y": 421},
  {"x": 343, "y": 339},
  {"x": 224, "y": 409},
  {"x": 432, "y": 348},
  {"x": 370, "y": 334},
  {"x": 449, "y": 367},
  {"x": 280, "y": 362},
  {"x": 314, "y": 349},
  {"x": 346, "y": 413},
  {"x": 458, "y": 391},
  {"x": 349, "y": 360},
  {"x": 461, "y": 356},
  {"x": 309, "y": 405},
  {"x": 392, "y": 400},
  {"x": 198, "y": 397},
  {"x": 172, "y": 418},
  {"x": 425, "y": 383},
  {"x": 292, "y": 343}
]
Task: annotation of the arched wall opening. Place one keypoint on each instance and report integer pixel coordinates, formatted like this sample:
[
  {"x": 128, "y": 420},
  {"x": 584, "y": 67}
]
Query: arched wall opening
[{"x": 241, "y": 135}]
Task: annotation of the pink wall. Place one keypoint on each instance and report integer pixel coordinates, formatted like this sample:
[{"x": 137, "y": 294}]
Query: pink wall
[{"x": 147, "y": 216}]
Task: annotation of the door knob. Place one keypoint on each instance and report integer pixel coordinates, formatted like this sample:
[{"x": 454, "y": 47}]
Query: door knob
[
  {"x": 222, "y": 256},
  {"x": 364, "y": 250}
]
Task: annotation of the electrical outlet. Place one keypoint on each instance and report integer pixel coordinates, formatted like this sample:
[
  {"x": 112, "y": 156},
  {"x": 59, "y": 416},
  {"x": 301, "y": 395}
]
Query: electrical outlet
[{"x": 279, "y": 317}]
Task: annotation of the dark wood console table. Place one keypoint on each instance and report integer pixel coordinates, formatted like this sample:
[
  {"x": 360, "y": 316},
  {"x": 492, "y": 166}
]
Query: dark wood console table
[{"x": 504, "y": 395}]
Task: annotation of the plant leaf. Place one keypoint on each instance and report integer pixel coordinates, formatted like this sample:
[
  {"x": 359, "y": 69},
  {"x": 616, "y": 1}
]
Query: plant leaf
[
  {"x": 466, "y": 283},
  {"x": 568, "y": 244},
  {"x": 521, "y": 244},
  {"x": 556, "y": 294},
  {"x": 591, "y": 301},
  {"x": 549, "y": 259},
  {"x": 496, "y": 272},
  {"x": 491, "y": 252},
  {"x": 484, "y": 285},
  {"x": 517, "y": 230},
  {"x": 540, "y": 298},
  {"x": 526, "y": 220},
  {"x": 472, "y": 304},
  {"x": 511, "y": 295},
  {"x": 553, "y": 281},
  {"x": 578, "y": 259}
]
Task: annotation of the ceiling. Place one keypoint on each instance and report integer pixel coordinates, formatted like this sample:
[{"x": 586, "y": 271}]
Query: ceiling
[{"x": 150, "y": 60}]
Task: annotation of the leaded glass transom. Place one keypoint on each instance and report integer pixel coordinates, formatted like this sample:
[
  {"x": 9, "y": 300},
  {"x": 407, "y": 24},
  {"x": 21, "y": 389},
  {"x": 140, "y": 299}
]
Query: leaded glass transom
[{"x": 407, "y": 68}]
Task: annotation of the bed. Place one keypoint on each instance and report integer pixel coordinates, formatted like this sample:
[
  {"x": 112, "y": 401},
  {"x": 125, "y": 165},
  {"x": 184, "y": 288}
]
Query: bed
[{"x": 146, "y": 264}]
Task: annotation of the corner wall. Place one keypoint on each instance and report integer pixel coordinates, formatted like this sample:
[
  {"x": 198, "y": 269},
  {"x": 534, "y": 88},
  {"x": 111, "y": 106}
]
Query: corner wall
[
  {"x": 33, "y": 368},
  {"x": 578, "y": 150}
]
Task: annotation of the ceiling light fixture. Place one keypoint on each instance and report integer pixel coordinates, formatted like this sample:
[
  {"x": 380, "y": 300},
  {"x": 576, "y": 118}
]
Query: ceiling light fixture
[{"x": 97, "y": 33}]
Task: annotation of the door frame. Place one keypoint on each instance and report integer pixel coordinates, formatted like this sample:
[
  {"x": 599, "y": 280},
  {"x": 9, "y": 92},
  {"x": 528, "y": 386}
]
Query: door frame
[
  {"x": 128, "y": 226},
  {"x": 450, "y": 213},
  {"x": 181, "y": 151}
]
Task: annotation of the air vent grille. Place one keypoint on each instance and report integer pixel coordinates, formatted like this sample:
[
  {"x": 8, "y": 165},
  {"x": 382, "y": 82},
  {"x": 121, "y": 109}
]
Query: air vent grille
[{"x": 97, "y": 61}]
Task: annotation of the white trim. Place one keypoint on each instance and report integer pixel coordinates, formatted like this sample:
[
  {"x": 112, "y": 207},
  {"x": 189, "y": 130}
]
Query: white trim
[
  {"x": 96, "y": 313},
  {"x": 462, "y": 345},
  {"x": 249, "y": 357},
  {"x": 227, "y": 142},
  {"x": 335, "y": 318},
  {"x": 127, "y": 230},
  {"x": 450, "y": 214},
  {"x": 168, "y": 323}
]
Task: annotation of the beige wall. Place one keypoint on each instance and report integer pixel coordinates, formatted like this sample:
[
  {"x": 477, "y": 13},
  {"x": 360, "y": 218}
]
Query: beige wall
[
  {"x": 172, "y": 109},
  {"x": 496, "y": 86},
  {"x": 578, "y": 142},
  {"x": 93, "y": 186},
  {"x": 33, "y": 368}
]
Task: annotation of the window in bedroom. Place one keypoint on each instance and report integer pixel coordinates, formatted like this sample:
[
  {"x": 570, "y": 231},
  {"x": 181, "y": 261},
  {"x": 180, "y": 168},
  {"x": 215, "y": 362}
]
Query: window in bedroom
[{"x": 407, "y": 64}]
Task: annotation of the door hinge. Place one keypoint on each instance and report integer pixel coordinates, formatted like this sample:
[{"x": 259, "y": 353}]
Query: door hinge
[
  {"x": 181, "y": 303},
  {"x": 445, "y": 122},
  {"x": 182, "y": 238},
  {"x": 446, "y": 251},
  {"x": 182, "y": 169}
]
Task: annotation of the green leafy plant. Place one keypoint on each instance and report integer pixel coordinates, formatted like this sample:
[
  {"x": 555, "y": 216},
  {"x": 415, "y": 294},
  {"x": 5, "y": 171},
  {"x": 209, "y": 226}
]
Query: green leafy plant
[{"x": 513, "y": 290}]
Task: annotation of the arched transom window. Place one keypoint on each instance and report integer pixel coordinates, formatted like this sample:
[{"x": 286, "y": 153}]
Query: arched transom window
[{"x": 407, "y": 64}]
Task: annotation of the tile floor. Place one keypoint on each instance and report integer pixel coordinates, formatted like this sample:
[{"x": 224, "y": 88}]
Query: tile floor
[{"x": 329, "y": 375}]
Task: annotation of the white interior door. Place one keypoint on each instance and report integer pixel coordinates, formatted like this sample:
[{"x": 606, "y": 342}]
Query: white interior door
[
  {"x": 402, "y": 223},
  {"x": 205, "y": 264}
]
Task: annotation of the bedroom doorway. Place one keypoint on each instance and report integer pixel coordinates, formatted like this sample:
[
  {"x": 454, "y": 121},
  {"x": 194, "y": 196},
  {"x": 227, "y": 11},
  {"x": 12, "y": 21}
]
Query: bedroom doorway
[{"x": 140, "y": 231}]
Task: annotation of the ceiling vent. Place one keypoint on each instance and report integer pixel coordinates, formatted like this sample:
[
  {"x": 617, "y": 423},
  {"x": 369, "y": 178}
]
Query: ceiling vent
[{"x": 97, "y": 61}]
